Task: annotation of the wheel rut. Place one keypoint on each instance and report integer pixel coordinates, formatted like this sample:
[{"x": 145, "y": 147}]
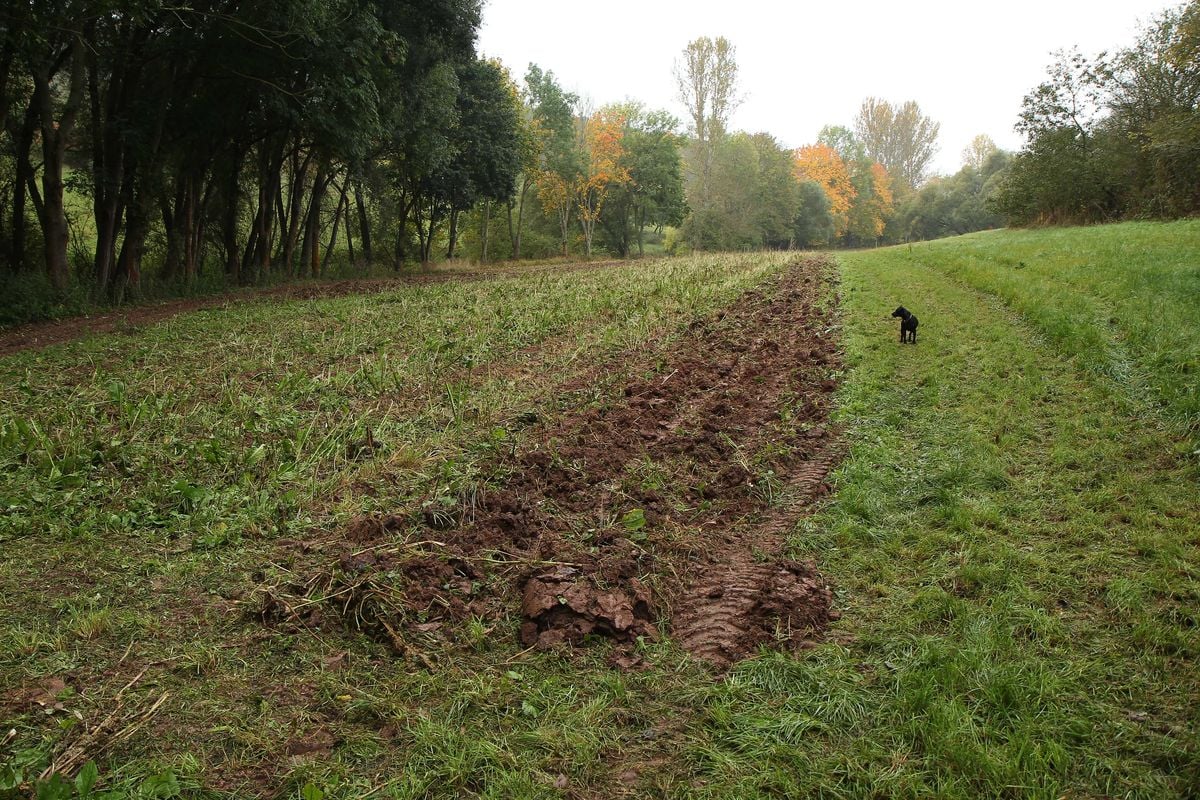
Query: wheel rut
[
  {"x": 742, "y": 602},
  {"x": 670, "y": 494}
]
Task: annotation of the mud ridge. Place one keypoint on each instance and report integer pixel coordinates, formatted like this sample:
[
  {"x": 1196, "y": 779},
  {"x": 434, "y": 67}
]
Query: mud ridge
[{"x": 624, "y": 504}]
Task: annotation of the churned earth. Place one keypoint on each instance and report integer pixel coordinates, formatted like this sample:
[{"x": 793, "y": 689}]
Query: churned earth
[{"x": 662, "y": 506}]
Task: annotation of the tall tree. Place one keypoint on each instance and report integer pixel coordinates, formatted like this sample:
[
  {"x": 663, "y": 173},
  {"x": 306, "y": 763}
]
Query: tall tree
[
  {"x": 707, "y": 83},
  {"x": 814, "y": 222},
  {"x": 872, "y": 207},
  {"x": 652, "y": 195},
  {"x": 1060, "y": 175},
  {"x": 603, "y": 166},
  {"x": 844, "y": 141},
  {"x": 560, "y": 159},
  {"x": 900, "y": 138},
  {"x": 53, "y": 50}
]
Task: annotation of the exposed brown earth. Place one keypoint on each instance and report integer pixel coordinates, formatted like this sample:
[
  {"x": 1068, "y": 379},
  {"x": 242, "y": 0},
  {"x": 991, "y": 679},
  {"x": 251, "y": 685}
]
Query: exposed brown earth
[{"x": 654, "y": 499}]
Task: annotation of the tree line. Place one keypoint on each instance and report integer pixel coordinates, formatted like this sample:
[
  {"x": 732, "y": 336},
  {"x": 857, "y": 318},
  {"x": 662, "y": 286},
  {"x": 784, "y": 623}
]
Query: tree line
[
  {"x": 1115, "y": 135},
  {"x": 224, "y": 143},
  {"x": 241, "y": 138}
]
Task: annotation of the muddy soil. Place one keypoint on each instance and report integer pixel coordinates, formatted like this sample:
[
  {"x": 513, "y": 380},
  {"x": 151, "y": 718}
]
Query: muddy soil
[{"x": 676, "y": 492}]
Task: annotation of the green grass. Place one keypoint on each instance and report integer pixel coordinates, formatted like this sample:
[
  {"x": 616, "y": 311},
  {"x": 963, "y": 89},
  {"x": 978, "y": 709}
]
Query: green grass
[
  {"x": 1014, "y": 541},
  {"x": 1121, "y": 300},
  {"x": 145, "y": 476}
]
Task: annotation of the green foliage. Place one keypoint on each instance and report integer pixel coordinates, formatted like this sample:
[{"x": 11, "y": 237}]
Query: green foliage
[
  {"x": 959, "y": 204},
  {"x": 553, "y": 112},
  {"x": 207, "y": 156},
  {"x": 814, "y": 222},
  {"x": 653, "y": 195},
  {"x": 754, "y": 197},
  {"x": 1112, "y": 137}
]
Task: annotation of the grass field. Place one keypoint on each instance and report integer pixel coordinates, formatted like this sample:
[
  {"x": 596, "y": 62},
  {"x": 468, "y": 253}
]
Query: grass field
[{"x": 1014, "y": 541}]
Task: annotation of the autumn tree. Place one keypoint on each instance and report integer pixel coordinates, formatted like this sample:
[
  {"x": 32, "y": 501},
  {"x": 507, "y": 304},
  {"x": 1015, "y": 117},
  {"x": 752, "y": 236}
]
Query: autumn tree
[
  {"x": 900, "y": 138},
  {"x": 872, "y": 206},
  {"x": 652, "y": 193},
  {"x": 821, "y": 164},
  {"x": 603, "y": 166}
]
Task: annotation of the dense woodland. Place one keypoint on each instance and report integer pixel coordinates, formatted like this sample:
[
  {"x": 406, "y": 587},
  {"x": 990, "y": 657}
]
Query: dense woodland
[{"x": 149, "y": 147}]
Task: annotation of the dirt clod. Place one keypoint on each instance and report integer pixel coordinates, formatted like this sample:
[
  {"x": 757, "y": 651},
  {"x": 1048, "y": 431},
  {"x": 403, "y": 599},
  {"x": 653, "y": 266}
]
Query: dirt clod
[
  {"x": 656, "y": 497},
  {"x": 566, "y": 606}
]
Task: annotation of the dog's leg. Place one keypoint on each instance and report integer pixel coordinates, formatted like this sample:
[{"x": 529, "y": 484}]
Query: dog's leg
[{"x": 901, "y": 332}]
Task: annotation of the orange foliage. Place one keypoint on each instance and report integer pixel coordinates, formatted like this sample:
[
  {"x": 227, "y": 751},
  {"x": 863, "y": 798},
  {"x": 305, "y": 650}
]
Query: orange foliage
[
  {"x": 881, "y": 205},
  {"x": 821, "y": 163},
  {"x": 603, "y": 134}
]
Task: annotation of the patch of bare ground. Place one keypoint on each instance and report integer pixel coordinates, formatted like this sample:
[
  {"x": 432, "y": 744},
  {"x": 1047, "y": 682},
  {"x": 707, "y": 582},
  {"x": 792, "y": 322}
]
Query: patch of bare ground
[{"x": 676, "y": 492}]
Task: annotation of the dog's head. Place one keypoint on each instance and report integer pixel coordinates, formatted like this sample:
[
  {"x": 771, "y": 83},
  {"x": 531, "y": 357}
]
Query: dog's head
[{"x": 901, "y": 312}]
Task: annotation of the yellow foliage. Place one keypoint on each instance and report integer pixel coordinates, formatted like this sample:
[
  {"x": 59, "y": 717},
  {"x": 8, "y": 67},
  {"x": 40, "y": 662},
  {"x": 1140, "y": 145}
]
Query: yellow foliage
[
  {"x": 603, "y": 135},
  {"x": 822, "y": 164}
]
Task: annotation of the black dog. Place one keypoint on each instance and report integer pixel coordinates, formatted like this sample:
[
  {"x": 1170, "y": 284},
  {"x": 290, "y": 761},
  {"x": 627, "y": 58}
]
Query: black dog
[{"x": 908, "y": 324}]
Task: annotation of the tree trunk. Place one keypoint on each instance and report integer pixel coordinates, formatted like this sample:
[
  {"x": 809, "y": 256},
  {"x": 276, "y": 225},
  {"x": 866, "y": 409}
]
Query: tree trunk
[
  {"x": 295, "y": 209},
  {"x": 229, "y": 233},
  {"x": 270, "y": 169},
  {"x": 108, "y": 104},
  {"x": 337, "y": 218},
  {"x": 364, "y": 224},
  {"x": 421, "y": 237},
  {"x": 193, "y": 230},
  {"x": 54, "y": 148},
  {"x": 520, "y": 218},
  {"x": 310, "y": 253},
  {"x": 487, "y": 219},
  {"x": 641, "y": 232},
  {"x": 453, "y": 234},
  {"x": 402, "y": 232},
  {"x": 349, "y": 231},
  {"x": 129, "y": 263},
  {"x": 172, "y": 217},
  {"x": 7, "y": 56},
  {"x": 587, "y": 237},
  {"x": 22, "y": 180},
  {"x": 564, "y": 225},
  {"x": 511, "y": 238}
]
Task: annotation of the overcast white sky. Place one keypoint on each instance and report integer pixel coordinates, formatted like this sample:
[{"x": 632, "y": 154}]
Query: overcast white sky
[{"x": 807, "y": 64}]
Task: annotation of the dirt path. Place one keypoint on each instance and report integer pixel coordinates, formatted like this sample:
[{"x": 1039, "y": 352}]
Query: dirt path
[
  {"x": 677, "y": 492},
  {"x": 38, "y": 335}
]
